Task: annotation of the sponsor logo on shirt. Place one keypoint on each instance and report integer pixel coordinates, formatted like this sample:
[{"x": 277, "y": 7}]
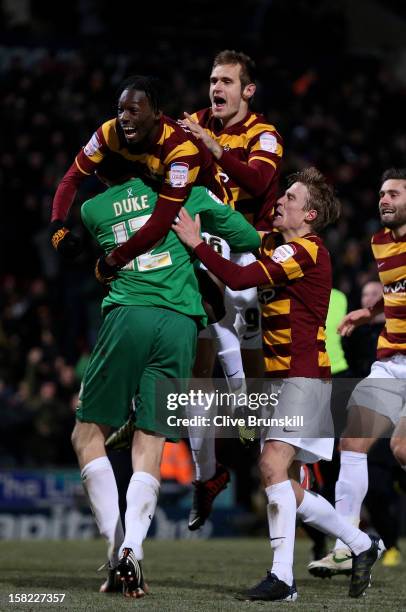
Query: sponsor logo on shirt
[
  {"x": 399, "y": 287},
  {"x": 283, "y": 253},
  {"x": 178, "y": 174},
  {"x": 92, "y": 146},
  {"x": 268, "y": 142}
]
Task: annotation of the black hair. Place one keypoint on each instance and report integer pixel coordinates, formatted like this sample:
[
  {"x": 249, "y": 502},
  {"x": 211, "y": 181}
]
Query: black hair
[
  {"x": 150, "y": 85},
  {"x": 115, "y": 169},
  {"x": 394, "y": 173}
]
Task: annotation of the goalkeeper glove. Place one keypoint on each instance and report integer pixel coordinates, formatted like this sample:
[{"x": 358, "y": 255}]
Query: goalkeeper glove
[
  {"x": 122, "y": 438},
  {"x": 104, "y": 272},
  {"x": 245, "y": 433},
  {"x": 63, "y": 241}
]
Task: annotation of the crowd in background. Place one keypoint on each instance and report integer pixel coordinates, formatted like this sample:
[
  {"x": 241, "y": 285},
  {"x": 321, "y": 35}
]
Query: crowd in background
[{"x": 340, "y": 111}]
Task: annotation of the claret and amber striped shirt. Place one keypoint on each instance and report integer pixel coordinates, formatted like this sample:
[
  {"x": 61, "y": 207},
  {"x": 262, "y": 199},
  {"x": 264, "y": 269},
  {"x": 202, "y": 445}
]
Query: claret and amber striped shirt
[
  {"x": 257, "y": 144},
  {"x": 294, "y": 307},
  {"x": 176, "y": 160},
  {"x": 294, "y": 281},
  {"x": 390, "y": 255}
]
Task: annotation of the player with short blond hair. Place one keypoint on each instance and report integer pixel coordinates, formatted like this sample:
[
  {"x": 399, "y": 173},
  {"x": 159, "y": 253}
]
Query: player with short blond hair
[{"x": 297, "y": 275}]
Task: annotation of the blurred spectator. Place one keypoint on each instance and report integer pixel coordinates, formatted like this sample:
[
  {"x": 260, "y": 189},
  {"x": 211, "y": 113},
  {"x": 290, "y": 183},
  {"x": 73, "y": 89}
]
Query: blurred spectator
[
  {"x": 336, "y": 311},
  {"x": 360, "y": 347}
]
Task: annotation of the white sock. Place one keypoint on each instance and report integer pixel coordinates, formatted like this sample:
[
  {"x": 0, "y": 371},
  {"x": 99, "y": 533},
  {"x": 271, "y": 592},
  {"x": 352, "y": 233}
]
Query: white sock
[
  {"x": 231, "y": 363},
  {"x": 281, "y": 511},
  {"x": 351, "y": 487},
  {"x": 202, "y": 442},
  {"x": 204, "y": 457},
  {"x": 318, "y": 512},
  {"x": 100, "y": 485},
  {"x": 229, "y": 352},
  {"x": 142, "y": 497}
]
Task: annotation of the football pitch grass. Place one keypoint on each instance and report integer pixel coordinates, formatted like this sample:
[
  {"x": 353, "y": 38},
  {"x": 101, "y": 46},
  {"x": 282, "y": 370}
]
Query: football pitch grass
[{"x": 187, "y": 575}]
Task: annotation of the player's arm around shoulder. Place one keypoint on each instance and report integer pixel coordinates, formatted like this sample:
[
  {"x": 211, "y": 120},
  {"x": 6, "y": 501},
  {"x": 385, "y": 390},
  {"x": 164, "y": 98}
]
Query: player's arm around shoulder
[{"x": 288, "y": 261}]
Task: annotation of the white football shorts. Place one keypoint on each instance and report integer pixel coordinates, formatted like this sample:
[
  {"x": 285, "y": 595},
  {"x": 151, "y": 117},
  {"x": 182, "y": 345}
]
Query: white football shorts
[
  {"x": 384, "y": 389},
  {"x": 302, "y": 417},
  {"x": 242, "y": 307}
]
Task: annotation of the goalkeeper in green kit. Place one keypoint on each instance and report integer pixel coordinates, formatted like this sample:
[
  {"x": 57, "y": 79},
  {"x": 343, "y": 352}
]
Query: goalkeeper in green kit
[{"x": 151, "y": 317}]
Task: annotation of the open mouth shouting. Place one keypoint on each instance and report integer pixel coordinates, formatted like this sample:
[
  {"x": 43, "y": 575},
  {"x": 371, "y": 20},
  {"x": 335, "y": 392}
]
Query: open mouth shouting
[
  {"x": 219, "y": 103},
  {"x": 278, "y": 213},
  {"x": 130, "y": 132}
]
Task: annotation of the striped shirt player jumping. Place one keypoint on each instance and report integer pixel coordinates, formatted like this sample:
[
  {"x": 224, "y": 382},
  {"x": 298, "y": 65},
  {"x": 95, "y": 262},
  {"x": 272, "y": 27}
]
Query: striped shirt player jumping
[
  {"x": 158, "y": 150},
  {"x": 248, "y": 152}
]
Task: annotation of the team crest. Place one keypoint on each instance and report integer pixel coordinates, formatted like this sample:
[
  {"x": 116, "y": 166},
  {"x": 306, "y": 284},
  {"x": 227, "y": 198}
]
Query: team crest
[{"x": 178, "y": 174}]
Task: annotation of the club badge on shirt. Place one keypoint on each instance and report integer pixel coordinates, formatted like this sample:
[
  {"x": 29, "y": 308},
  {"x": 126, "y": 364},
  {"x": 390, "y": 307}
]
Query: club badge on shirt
[{"x": 178, "y": 174}]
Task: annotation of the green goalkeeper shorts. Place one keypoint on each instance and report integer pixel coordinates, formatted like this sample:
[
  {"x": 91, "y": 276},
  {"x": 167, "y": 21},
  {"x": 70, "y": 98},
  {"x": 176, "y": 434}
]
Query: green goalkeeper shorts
[{"x": 138, "y": 349}]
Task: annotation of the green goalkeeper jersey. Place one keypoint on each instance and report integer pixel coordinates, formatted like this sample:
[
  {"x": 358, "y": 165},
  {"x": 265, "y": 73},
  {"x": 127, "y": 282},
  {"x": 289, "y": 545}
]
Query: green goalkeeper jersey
[{"x": 164, "y": 276}]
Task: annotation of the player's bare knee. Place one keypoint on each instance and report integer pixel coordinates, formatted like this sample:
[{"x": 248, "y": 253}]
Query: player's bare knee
[
  {"x": 269, "y": 470},
  {"x": 274, "y": 462},
  {"x": 354, "y": 445},
  {"x": 82, "y": 441},
  {"x": 85, "y": 436},
  {"x": 147, "y": 449},
  {"x": 76, "y": 437}
]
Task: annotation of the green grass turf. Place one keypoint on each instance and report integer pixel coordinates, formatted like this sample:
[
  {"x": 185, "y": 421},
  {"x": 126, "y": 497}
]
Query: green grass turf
[{"x": 183, "y": 575}]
